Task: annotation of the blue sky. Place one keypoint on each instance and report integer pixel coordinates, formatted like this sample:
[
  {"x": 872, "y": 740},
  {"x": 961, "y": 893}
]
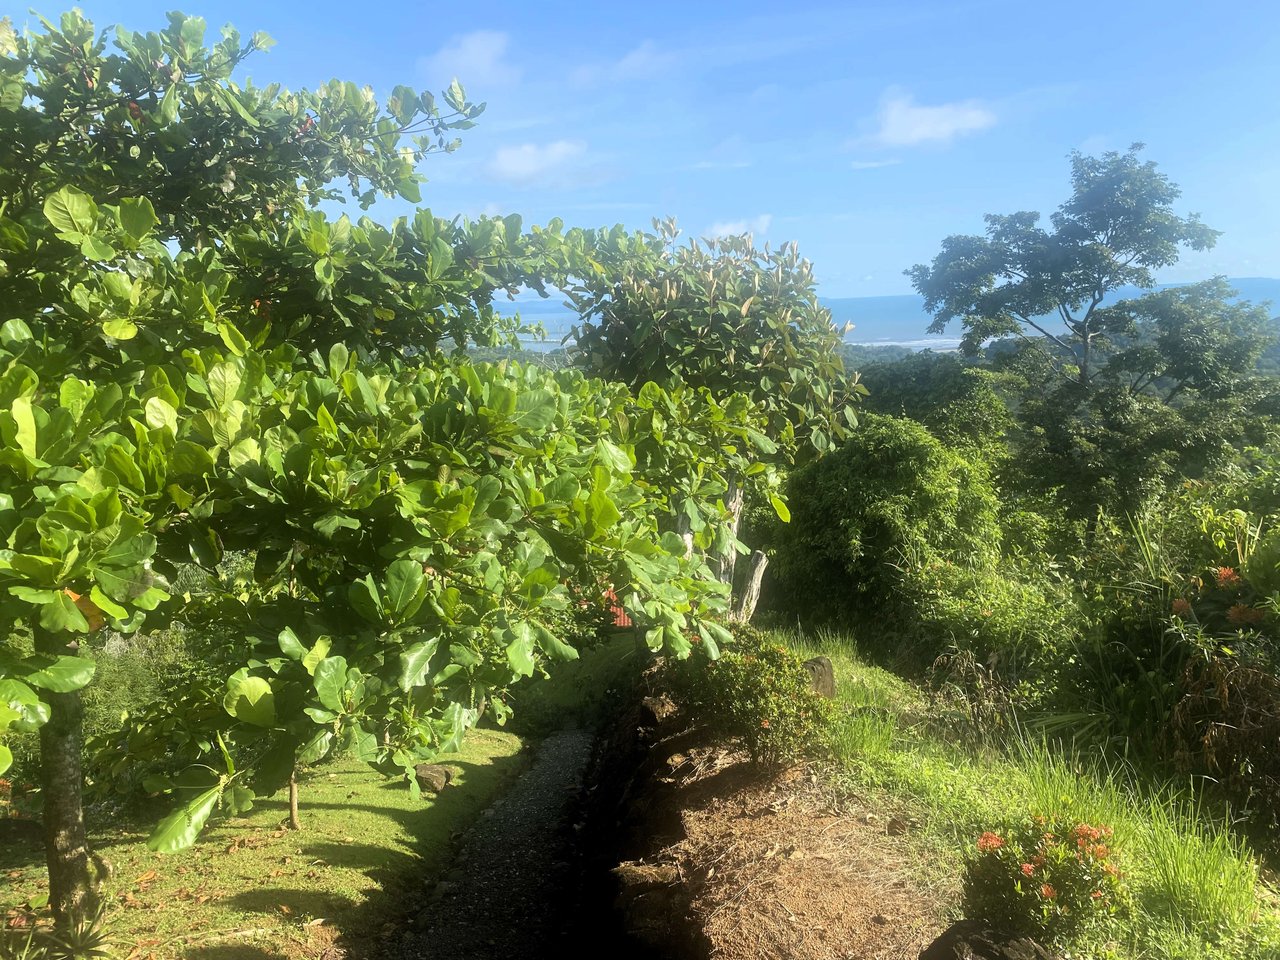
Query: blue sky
[{"x": 866, "y": 132}]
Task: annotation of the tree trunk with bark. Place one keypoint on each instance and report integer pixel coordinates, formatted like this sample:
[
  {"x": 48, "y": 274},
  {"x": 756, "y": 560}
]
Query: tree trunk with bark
[
  {"x": 72, "y": 867},
  {"x": 294, "y": 822},
  {"x": 745, "y": 607}
]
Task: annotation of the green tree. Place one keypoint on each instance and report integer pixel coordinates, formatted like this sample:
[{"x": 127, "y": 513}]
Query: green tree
[
  {"x": 1116, "y": 229},
  {"x": 740, "y": 322},
  {"x": 1177, "y": 397},
  {"x": 960, "y": 402},
  {"x": 225, "y": 369},
  {"x": 1118, "y": 396}
]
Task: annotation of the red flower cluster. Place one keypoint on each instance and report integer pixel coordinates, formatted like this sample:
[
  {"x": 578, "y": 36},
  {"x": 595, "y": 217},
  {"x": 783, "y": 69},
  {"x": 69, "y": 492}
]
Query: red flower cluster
[
  {"x": 1182, "y": 608},
  {"x": 1227, "y": 578},
  {"x": 989, "y": 841}
]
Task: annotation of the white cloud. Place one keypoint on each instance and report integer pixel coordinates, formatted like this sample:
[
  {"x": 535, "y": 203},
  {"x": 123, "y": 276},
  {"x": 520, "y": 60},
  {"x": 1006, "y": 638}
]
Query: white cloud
[
  {"x": 644, "y": 62},
  {"x": 526, "y": 164},
  {"x": 733, "y": 228},
  {"x": 905, "y": 123},
  {"x": 873, "y": 164},
  {"x": 477, "y": 59}
]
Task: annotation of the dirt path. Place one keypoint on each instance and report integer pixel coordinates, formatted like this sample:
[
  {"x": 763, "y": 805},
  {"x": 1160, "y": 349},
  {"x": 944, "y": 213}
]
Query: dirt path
[{"x": 514, "y": 887}]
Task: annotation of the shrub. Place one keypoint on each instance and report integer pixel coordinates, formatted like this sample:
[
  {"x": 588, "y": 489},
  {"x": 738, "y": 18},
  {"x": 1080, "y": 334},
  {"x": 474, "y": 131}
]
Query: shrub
[
  {"x": 757, "y": 693},
  {"x": 891, "y": 498},
  {"x": 1043, "y": 878},
  {"x": 1014, "y": 620}
]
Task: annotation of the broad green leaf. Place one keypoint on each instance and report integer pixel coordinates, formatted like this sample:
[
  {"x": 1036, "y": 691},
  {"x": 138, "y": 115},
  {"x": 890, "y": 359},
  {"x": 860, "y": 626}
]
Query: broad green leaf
[
  {"x": 535, "y": 409},
  {"x": 414, "y": 662},
  {"x": 780, "y": 508},
  {"x": 120, "y": 329},
  {"x": 14, "y": 331},
  {"x": 552, "y": 645},
  {"x": 233, "y": 338},
  {"x": 250, "y": 699},
  {"x": 71, "y": 211},
  {"x": 95, "y": 248},
  {"x": 316, "y": 748},
  {"x": 27, "y": 711},
  {"x": 602, "y": 511},
  {"x": 179, "y": 829},
  {"x": 6, "y": 758},
  {"x": 713, "y": 637},
  {"x": 520, "y": 649},
  {"x": 63, "y": 616},
  {"x": 57, "y": 674},
  {"x": 137, "y": 217},
  {"x": 161, "y": 416},
  {"x": 330, "y": 680},
  {"x": 317, "y": 653},
  {"x": 290, "y": 645},
  {"x": 25, "y": 422},
  {"x": 403, "y": 590}
]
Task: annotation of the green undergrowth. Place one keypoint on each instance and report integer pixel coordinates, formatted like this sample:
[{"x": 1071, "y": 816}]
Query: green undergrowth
[
  {"x": 1196, "y": 890},
  {"x": 582, "y": 692},
  {"x": 252, "y": 890}
]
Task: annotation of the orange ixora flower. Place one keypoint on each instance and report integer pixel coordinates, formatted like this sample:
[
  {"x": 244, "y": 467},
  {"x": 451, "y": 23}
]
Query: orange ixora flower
[
  {"x": 1182, "y": 608},
  {"x": 1028, "y": 869},
  {"x": 1226, "y": 577},
  {"x": 1047, "y": 891},
  {"x": 990, "y": 841}
]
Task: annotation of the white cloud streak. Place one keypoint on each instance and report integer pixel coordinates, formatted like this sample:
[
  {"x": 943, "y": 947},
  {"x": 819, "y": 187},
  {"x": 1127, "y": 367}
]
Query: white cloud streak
[
  {"x": 528, "y": 164},
  {"x": 732, "y": 228},
  {"x": 905, "y": 123},
  {"x": 477, "y": 59}
]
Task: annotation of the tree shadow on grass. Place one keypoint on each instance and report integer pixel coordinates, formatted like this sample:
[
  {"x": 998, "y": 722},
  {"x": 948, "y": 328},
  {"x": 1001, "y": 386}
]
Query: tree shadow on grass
[
  {"x": 231, "y": 951},
  {"x": 294, "y": 903}
]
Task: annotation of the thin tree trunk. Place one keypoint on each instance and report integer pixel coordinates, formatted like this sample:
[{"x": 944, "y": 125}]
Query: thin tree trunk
[
  {"x": 745, "y": 608},
  {"x": 72, "y": 877},
  {"x": 728, "y": 563},
  {"x": 294, "y": 822},
  {"x": 682, "y": 528}
]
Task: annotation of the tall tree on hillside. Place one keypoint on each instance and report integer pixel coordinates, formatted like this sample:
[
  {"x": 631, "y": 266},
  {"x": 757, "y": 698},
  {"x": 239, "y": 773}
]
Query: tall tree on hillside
[
  {"x": 1120, "y": 396},
  {"x": 1023, "y": 280}
]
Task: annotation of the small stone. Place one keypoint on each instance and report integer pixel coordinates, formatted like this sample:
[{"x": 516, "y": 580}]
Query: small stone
[
  {"x": 822, "y": 677},
  {"x": 432, "y": 777}
]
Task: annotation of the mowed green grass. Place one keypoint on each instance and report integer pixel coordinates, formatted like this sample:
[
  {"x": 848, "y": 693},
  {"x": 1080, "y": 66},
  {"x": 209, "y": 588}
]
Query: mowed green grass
[
  {"x": 1198, "y": 892},
  {"x": 252, "y": 890}
]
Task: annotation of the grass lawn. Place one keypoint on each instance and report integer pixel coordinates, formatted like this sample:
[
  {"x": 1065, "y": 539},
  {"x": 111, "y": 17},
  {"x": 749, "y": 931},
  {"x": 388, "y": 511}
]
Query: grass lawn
[
  {"x": 251, "y": 890},
  {"x": 1197, "y": 889}
]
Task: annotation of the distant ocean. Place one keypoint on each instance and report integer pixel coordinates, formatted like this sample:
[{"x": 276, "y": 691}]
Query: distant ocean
[{"x": 889, "y": 321}]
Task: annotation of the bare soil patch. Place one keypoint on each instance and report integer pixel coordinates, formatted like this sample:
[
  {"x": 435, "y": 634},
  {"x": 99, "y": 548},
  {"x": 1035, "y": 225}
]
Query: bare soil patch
[{"x": 767, "y": 868}]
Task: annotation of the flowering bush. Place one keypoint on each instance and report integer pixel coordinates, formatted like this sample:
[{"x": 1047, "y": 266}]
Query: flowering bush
[{"x": 1042, "y": 877}]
